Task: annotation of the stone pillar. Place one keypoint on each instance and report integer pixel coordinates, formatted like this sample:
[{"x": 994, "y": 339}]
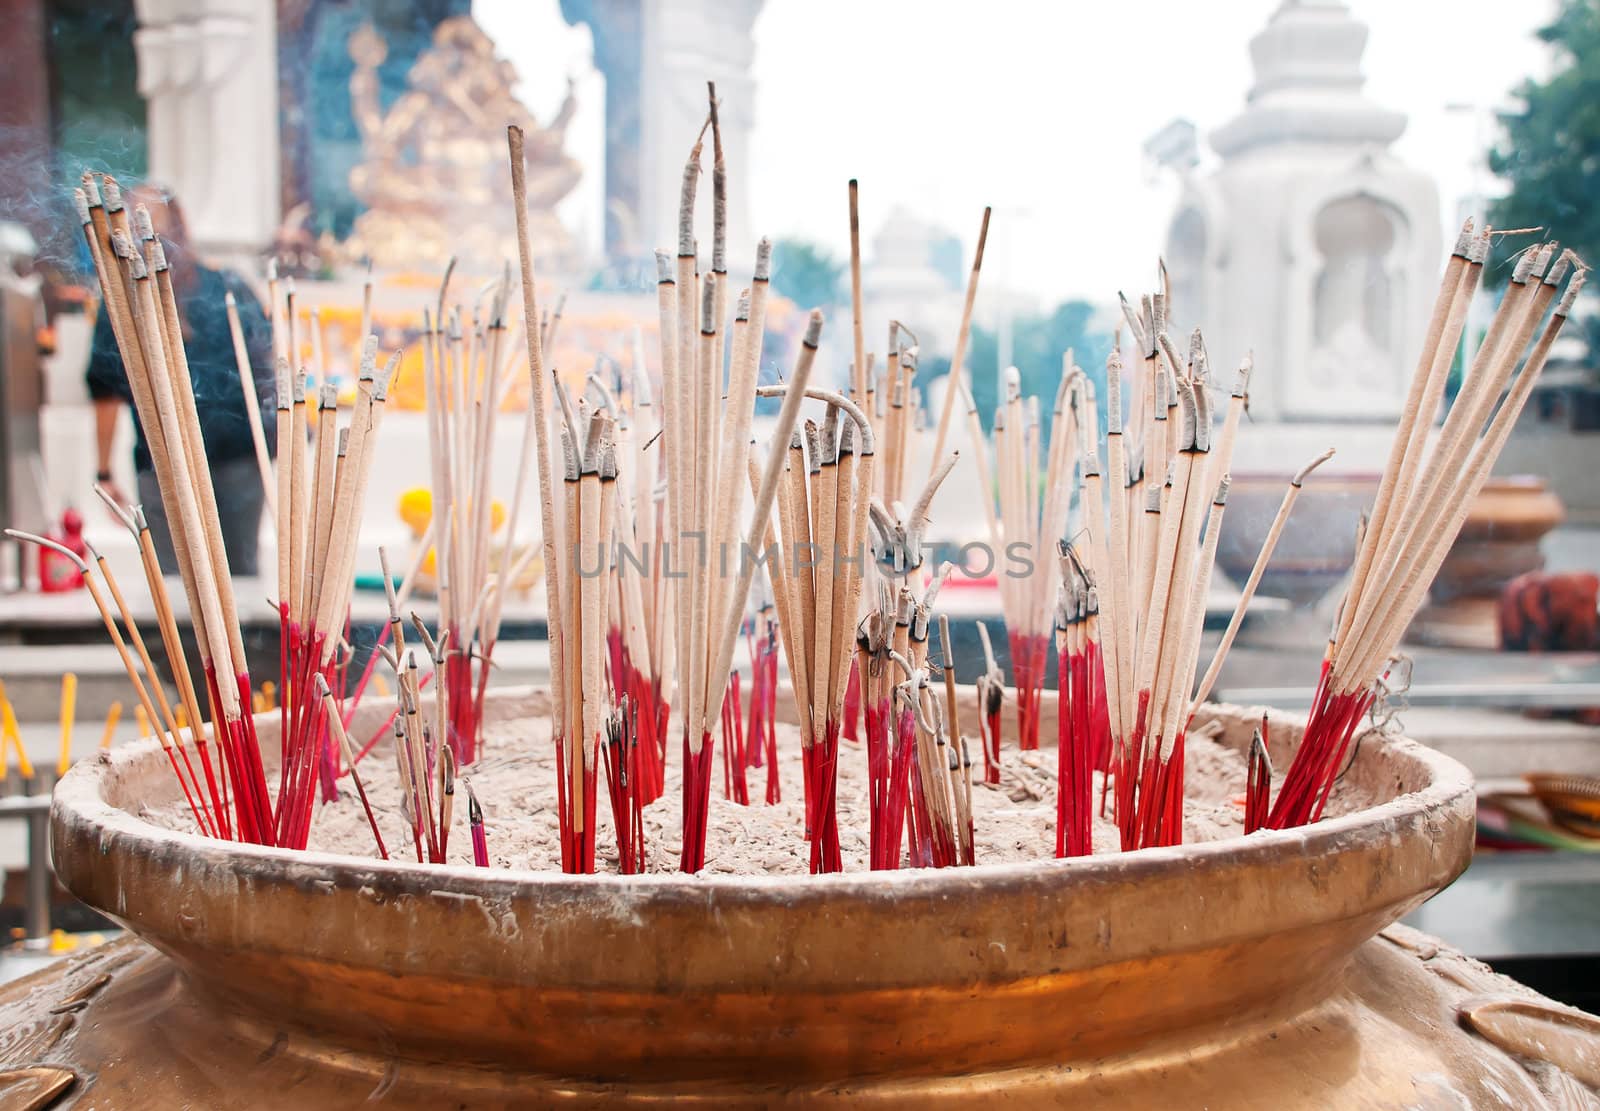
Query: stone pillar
[
  {"x": 26, "y": 158},
  {"x": 209, "y": 73},
  {"x": 616, "y": 26},
  {"x": 685, "y": 44}
]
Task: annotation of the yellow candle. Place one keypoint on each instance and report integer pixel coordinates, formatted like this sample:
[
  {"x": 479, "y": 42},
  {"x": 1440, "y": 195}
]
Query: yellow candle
[
  {"x": 69, "y": 710},
  {"x": 144, "y": 722},
  {"x": 112, "y": 718}
]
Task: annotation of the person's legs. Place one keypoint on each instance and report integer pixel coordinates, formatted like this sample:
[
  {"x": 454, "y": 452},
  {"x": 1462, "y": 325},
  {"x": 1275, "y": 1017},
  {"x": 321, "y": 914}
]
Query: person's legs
[
  {"x": 155, "y": 513},
  {"x": 239, "y": 501}
]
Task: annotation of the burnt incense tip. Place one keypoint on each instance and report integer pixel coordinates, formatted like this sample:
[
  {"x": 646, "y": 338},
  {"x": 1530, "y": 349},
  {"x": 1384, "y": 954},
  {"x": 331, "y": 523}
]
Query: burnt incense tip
[
  {"x": 158, "y": 255},
  {"x": 1574, "y": 287},
  {"x": 112, "y": 192},
  {"x": 1175, "y": 362},
  {"x": 1300, "y": 475},
  {"x": 369, "y": 358},
  {"x": 1558, "y": 270},
  {"x": 763, "y": 260},
  {"x": 1186, "y": 402},
  {"x": 691, "y": 179},
  {"x": 1464, "y": 240},
  {"x": 743, "y": 310},
  {"x": 1525, "y": 265},
  {"x": 830, "y": 435},
  {"x": 91, "y": 189},
  {"x": 1222, "y": 490},
  {"x": 664, "y": 269},
  {"x": 708, "y": 306},
  {"x": 813, "y": 329},
  {"x": 1152, "y": 498},
  {"x": 1090, "y": 463},
  {"x": 1241, "y": 382},
  {"x": 1478, "y": 253},
  {"x": 1012, "y": 379},
  {"x": 1203, "y": 416},
  {"x": 322, "y": 684},
  {"x": 80, "y": 201},
  {"x": 814, "y": 446},
  {"x": 1542, "y": 261},
  {"x": 285, "y": 384},
  {"x": 380, "y": 389},
  {"x": 327, "y": 396},
  {"x": 143, "y": 226}
]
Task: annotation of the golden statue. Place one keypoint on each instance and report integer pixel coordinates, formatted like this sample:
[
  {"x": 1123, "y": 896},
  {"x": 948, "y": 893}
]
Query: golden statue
[{"x": 435, "y": 175}]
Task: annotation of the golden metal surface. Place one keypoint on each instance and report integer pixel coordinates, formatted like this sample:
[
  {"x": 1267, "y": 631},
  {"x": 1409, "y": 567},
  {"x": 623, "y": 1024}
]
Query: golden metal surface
[{"x": 1384, "y": 1038}]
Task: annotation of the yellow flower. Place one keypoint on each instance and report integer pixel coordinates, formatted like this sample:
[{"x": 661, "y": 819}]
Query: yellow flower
[{"x": 416, "y": 509}]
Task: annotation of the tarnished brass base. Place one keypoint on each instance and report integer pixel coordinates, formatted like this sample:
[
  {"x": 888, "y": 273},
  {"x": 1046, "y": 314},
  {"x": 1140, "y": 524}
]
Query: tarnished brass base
[{"x": 120, "y": 1028}]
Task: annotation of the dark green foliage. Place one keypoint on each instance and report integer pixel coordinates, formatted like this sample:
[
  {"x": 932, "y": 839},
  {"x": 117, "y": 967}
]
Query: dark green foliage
[{"x": 1551, "y": 148}]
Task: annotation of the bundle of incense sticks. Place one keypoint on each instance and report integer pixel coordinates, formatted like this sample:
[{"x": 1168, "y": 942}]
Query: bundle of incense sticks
[
  {"x": 466, "y": 365},
  {"x": 322, "y": 502},
  {"x": 817, "y": 570},
  {"x": 893, "y": 404},
  {"x": 705, "y": 484},
  {"x": 1425, "y": 494},
  {"x": 318, "y": 517},
  {"x": 704, "y": 488},
  {"x": 897, "y": 625},
  {"x": 1150, "y": 571},
  {"x": 136, "y": 284},
  {"x": 929, "y": 783},
  {"x": 1082, "y": 722},
  {"x": 1031, "y": 522},
  {"x": 639, "y": 658},
  {"x": 589, "y": 512}
]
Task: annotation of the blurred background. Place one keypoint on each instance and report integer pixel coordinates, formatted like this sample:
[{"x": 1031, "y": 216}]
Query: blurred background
[{"x": 1302, "y": 166}]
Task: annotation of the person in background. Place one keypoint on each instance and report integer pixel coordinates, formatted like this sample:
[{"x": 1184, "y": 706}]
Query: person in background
[{"x": 219, "y": 400}]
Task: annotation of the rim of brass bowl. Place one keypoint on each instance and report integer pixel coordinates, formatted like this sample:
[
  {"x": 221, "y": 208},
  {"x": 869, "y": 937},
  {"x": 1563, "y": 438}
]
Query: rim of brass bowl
[{"x": 898, "y": 973}]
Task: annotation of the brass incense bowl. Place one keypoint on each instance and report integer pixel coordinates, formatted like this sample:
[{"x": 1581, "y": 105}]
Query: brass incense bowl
[{"x": 1109, "y": 977}]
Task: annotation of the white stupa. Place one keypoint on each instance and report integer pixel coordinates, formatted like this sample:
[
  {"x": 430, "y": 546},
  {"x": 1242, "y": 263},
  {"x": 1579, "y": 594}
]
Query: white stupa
[{"x": 1310, "y": 244}]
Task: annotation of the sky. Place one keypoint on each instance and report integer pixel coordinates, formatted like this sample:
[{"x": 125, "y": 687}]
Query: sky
[{"x": 1039, "y": 109}]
